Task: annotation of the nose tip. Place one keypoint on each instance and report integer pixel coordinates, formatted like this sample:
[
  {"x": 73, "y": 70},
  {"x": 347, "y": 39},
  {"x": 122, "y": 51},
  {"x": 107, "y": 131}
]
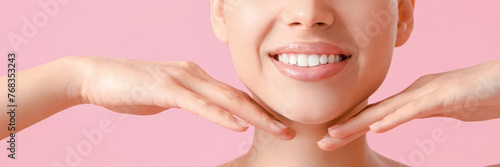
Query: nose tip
[{"x": 308, "y": 16}]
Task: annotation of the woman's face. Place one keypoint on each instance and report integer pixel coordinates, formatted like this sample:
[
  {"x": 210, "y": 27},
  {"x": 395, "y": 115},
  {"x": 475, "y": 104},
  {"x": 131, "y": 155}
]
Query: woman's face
[{"x": 334, "y": 53}]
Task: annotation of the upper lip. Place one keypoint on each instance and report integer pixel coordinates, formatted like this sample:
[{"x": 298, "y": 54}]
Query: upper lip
[{"x": 318, "y": 48}]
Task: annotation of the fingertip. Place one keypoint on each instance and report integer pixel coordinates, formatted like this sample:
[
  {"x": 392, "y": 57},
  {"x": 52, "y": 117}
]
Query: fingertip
[
  {"x": 333, "y": 131},
  {"x": 242, "y": 123},
  {"x": 374, "y": 130},
  {"x": 289, "y": 135},
  {"x": 327, "y": 144},
  {"x": 241, "y": 128},
  {"x": 291, "y": 132},
  {"x": 322, "y": 144},
  {"x": 278, "y": 128},
  {"x": 374, "y": 126},
  {"x": 282, "y": 131}
]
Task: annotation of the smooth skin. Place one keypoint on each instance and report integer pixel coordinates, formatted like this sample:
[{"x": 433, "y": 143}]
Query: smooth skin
[
  {"x": 133, "y": 87},
  {"x": 469, "y": 94}
]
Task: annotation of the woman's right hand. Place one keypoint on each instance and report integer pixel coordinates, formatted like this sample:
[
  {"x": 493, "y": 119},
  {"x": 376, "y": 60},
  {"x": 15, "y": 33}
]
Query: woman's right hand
[{"x": 149, "y": 87}]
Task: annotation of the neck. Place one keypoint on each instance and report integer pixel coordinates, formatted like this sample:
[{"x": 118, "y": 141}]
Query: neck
[{"x": 267, "y": 150}]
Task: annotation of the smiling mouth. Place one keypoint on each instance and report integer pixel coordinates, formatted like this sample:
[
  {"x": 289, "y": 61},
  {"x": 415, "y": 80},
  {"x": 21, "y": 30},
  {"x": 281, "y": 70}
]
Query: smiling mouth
[{"x": 313, "y": 60}]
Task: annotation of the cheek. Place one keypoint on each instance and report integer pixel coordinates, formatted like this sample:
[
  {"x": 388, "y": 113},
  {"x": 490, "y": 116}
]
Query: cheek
[
  {"x": 375, "y": 36},
  {"x": 247, "y": 26}
]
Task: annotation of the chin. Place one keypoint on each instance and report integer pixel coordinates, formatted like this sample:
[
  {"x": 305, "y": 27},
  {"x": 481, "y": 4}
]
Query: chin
[
  {"x": 306, "y": 117},
  {"x": 311, "y": 109}
]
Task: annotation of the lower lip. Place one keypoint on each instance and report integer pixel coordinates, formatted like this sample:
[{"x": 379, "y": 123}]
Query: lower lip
[{"x": 310, "y": 73}]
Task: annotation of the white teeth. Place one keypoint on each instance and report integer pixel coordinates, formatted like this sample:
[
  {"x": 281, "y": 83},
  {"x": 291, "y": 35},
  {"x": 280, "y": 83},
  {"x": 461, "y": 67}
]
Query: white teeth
[
  {"x": 323, "y": 59},
  {"x": 285, "y": 59},
  {"x": 331, "y": 59},
  {"x": 293, "y": 60},
  {"x": 313, "y": 60},
  {"x": 303, "y": 60}
]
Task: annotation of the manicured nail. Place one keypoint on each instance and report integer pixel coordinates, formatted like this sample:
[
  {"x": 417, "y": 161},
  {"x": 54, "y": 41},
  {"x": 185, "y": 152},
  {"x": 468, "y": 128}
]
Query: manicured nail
[
  {"x": 279, "y": 124},
  {"x": 331, "y": 130},
  {"x": 242, "y": 123},
  {"x": 334, "y": 127},
  {"x": 374, "y": 125},
  {"x": 322, "y": 143}
]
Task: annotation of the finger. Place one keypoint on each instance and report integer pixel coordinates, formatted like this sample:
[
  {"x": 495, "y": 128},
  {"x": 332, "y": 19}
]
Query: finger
[
  {"x": 200, "y": 106},
  {"x": 242, "y": 105},
  {"x": 329, "y": 143},
  {"x": 230, "y": 99},
  {"x": 420, "y": 108},
  {"x": 370, "y": 115}
]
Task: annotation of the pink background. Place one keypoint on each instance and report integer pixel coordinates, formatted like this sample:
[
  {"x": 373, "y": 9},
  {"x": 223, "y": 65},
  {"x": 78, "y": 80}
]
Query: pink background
[{"x": 449, "y": 34}]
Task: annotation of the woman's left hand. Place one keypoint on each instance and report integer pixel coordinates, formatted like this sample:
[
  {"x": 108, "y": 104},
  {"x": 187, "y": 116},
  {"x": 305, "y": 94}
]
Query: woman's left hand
[{"x": 469, "y": 94}]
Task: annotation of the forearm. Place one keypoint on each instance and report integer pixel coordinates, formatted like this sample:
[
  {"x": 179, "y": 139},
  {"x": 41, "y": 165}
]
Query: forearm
[{"x": 41, "y": 92}]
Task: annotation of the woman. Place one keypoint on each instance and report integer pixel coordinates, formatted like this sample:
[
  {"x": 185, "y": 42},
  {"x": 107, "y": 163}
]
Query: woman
[{"x": 296, "y": 102}]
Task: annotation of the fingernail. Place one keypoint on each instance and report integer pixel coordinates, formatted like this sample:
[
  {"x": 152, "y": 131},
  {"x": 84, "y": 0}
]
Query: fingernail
[
  {"x": 326, "y": 136},
  {"x": 279, "y": 124},
  {"x": 242, "y": 123},
  {"x": 322, "y": 143},
  {"x": 372, "y": 126},
  {"x": 334, "y": 127},
  {"x": 332, "y": 130}
]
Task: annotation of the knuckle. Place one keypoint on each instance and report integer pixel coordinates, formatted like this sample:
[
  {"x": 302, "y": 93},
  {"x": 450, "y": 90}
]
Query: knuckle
[
  {"x": 203, "y": 103},
  {"x": 177, "y": 73},
  {"x": 188, "y": 65},
  {"x": 183, "y": 73},
  {"x": 263, "y": 116},
  {"x": 427, "y": 77},
  {"x": 222, "y": 118},
  {"x": 170, "y": 80},
  {"x": 424, "y": 80},
  {"x": 232, "y": 94},
  {"x": 360, "y": 127},
  {"x": 420, "y": 114},
  {"x": 227, "y": 116}
]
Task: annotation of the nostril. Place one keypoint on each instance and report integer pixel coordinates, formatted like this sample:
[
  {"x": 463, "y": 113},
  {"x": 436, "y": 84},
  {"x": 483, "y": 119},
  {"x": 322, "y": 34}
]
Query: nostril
[{"x": 321, "y": 23}]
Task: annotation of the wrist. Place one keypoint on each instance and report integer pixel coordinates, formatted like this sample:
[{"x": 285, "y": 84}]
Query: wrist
[{"x": 79, "y": 69}]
